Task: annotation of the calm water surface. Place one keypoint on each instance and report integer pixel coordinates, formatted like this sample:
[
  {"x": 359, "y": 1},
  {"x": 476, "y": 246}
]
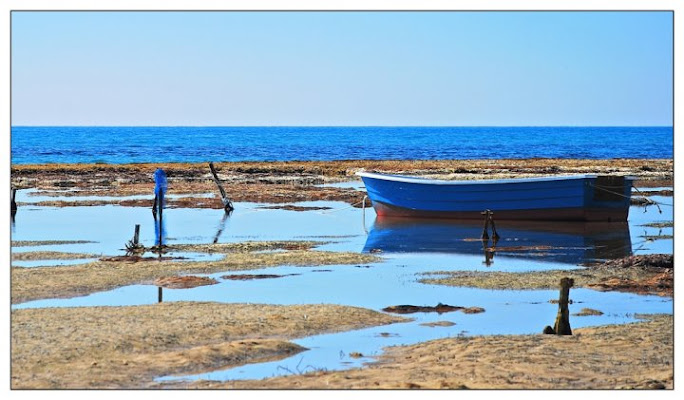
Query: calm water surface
[{"x": 409, "y": 250}]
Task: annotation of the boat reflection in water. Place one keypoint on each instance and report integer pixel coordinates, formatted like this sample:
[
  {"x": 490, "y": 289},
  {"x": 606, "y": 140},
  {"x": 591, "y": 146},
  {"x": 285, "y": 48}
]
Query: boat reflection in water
[{"x": 564, "y": 242}]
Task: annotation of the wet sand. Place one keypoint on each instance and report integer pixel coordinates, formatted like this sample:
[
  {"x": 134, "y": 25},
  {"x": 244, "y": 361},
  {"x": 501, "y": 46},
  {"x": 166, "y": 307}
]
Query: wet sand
[
  {"x": 127, "y": 347},
  {"x": 650, "y": 274},
  {"x": 287, "y": 182},
  {"x": 636, "y": 356}
]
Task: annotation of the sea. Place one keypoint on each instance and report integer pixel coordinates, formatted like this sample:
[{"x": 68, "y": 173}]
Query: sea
[{"x": 119, "y": 145}]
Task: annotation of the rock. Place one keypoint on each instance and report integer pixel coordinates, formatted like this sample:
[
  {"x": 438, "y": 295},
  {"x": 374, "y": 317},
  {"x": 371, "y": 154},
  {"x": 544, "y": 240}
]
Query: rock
[
  {"x": 244, "y": 277},
  {"x": 439, "y": 308},
  {"x": 587, "y": 312},
  {"x": 438, "y": 323},
  {"x": 184, "y": 282}
]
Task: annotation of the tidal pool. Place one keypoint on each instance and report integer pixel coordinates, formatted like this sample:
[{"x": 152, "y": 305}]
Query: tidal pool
[{"x": 407, "y": 249}]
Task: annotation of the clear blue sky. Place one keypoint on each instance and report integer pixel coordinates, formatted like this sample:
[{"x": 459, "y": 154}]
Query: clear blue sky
[{"x": 342, "y": 68}]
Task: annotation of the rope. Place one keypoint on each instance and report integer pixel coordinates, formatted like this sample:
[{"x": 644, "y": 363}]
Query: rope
[
  {"x": 650, "y": 201},
  {"x": 344, "y": 208}
]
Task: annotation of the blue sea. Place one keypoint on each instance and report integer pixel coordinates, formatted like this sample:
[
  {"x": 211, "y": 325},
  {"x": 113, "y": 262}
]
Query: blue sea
[{"x": 118, "y": 145}]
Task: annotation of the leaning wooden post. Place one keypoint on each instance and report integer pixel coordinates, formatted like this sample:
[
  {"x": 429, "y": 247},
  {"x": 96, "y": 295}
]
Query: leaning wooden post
[
  {"x": 562, "y": 326},
  {"x": 227, "y": 205},
  {"x": 136, "y": 235}
]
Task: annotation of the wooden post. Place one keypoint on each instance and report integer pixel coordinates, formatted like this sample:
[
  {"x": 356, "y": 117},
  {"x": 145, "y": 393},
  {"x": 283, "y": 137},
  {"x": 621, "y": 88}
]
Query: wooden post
[
  {"x": 133, "y": 246},
  {"x": 136, "y": 235},
  {"x": 227, "y": 205},
  {"x": 13, "y": 204},
  {"x": 159, "y": 295},
  {"x": 562, "y": 326}
]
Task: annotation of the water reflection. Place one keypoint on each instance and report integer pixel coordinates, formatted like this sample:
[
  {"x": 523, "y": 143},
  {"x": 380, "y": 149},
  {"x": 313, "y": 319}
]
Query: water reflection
[
  {"x": 565, "y": 242},
  {"x": 222, "y": 225}
]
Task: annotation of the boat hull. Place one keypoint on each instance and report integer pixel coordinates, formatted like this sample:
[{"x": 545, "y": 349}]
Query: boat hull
[{"x": 581, "y": 198}]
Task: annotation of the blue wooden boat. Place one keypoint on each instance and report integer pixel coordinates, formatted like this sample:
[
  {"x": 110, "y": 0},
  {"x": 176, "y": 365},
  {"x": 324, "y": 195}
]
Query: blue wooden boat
[{"x": 562, "y": 198}]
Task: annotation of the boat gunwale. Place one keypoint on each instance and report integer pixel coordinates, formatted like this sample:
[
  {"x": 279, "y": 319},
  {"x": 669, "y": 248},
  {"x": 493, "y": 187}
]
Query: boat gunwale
[{"x": 417, "y": 180}]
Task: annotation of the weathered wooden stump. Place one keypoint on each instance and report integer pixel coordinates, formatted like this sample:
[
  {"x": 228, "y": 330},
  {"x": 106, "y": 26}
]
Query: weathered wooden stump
[
  {"x": 133, "y": 246},
  {"x": 562, "y": 325}
]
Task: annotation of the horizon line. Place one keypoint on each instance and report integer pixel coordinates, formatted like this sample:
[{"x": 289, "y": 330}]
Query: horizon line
[{"x": 342, "y": 126}]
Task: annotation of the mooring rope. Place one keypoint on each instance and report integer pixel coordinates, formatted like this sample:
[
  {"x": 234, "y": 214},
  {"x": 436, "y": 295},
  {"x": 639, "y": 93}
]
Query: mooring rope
[
  {"x": 344, "y": 208},
  {"x": 650, "y": 201}
]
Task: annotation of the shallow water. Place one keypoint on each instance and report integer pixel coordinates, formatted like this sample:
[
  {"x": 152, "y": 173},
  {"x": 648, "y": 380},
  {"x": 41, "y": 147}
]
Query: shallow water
[
  {"x": 507, "y": 312},
  {"x": 35, "y": 196},
  {"x": 408, "y": 249}
]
